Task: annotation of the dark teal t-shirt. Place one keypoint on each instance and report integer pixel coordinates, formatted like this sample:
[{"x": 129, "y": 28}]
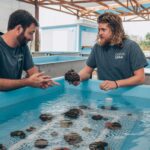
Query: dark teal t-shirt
[
  {"x": 14, "y": 60},
  {"x": 115, "y": 63}
]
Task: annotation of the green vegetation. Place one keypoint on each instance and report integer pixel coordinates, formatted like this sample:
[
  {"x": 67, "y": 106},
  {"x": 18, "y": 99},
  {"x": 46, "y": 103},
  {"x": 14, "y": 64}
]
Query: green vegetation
[{"x": 145, "y": 44}]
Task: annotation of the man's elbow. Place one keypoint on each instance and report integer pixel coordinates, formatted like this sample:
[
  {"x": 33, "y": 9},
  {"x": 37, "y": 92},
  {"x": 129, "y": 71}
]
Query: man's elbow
[{"x": 141, "y": 79}]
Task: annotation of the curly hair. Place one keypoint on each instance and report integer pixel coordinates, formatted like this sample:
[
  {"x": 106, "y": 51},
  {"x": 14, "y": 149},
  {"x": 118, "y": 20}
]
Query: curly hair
[{"x": 115, "y": 24}]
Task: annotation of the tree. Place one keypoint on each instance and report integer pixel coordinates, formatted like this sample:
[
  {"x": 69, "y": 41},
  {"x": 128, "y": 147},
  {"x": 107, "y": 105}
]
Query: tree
[{"x": 147, "y": 36}]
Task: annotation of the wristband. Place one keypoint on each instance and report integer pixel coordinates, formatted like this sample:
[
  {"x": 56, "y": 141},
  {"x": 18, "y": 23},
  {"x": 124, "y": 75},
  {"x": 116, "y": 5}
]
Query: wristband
[{"x": 116, "y": 84}]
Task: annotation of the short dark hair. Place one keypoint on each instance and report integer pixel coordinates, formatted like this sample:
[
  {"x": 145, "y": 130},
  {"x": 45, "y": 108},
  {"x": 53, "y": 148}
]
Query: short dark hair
[
  {"x": 21, "y": 17},
  {"x": 115, "y": 23}
]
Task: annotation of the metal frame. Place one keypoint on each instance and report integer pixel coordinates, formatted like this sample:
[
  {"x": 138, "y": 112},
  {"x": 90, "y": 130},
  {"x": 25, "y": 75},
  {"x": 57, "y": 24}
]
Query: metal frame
[
  {"x": 132, "y": 10},
  {"x": 135, "y": 10}
]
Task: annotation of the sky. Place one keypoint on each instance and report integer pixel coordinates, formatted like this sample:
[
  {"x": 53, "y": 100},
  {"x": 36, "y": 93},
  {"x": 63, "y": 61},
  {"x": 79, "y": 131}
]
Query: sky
[
  {"x": 137, "y": 28},
  {"x": 52, "y": 18}
]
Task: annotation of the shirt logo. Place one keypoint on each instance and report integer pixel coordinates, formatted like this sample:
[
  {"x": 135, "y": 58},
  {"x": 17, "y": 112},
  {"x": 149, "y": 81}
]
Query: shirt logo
[
  {"x": 20, "y": 57},
  {"x": 119, "y": 55}
]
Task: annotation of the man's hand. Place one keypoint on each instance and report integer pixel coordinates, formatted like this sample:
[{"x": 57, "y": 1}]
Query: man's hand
[
  {"x": 41, "y": 80},
  {"x": 108, "y": 85},
  {"x": 49, "y": 83}
]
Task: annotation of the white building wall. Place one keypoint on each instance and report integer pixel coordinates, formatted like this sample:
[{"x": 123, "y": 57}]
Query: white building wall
[{"x": 59, "y": 39}]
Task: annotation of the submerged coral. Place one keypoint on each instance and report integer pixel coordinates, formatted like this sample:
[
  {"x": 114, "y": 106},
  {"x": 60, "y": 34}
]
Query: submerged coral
[
  {"x": 30, "y": 129},
  {"x": 73, "y": 113},
  {"x": 41, "y": 143},
  {"x": 111, "y": 108},
  {"x": 100, "y": 145},
  {"x": 2, "y": 147},
  {"x": 113, "y": 125},
  {"x": 46, "y": 117},
  {"x": 18, "y": 133},
  {"x": 97, "y": 117},
  {"x": 73, "y": 138}
]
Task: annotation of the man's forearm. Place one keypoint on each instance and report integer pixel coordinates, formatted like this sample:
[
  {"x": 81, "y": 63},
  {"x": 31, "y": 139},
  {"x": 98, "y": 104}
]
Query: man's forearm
[
  {"x": 85, "y": 73},
  {"x": 84, "y": 76},
  {"x": 8, "y": 84},
  {"x": 135, "y": 80},
  {"x": 32, "y": 71}
]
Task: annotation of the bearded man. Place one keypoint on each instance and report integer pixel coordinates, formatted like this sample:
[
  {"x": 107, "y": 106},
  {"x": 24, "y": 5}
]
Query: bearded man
[
  {"x": 119, "y": 60},
  {"x": 15, "y": 55}
]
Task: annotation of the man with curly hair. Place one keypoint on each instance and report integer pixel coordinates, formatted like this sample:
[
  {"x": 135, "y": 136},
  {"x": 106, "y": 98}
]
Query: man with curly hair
[{"x": 119, "y": 60}]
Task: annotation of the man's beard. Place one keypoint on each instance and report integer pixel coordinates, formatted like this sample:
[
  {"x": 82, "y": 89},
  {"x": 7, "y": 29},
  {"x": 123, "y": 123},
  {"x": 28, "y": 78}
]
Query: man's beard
[
  {"x": 22, "y": 40},
  {"x": 105, "y": 42}
]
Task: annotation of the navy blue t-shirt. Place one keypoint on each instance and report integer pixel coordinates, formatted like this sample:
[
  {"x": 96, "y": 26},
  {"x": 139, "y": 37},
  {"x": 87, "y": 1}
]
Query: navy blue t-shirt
[
  {"x": 14, "y": 60},
  {"x": 115, "y": 63}
]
